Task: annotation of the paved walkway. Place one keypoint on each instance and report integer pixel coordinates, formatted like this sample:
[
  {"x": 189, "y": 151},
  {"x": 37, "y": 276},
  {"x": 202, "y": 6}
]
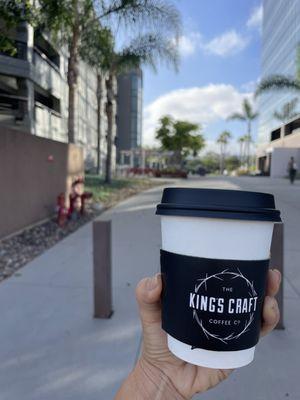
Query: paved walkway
[{"x": 52, "y": 348}]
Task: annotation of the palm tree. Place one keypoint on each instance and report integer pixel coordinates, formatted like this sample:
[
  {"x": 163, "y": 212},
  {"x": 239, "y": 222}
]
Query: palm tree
[
  {"x": 248, "y": 142},
  {"x": 223, "y": 140},
  {"x": 241, "y": 142},
  {"x": 70, "y": 20},
  {"x": 146, "y": 49},
  {"x": 248, "y": 115},
  {"x": 99, "y": 43},
  {"x": 99, "y": 122},
  {"x": 287, "y": 112},
  {"x": 163, "y": 23}
]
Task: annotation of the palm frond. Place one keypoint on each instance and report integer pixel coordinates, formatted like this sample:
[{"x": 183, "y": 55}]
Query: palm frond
[
  {"x": 148, "y": 49},
  {"x": 156, "y": 15},
  {"x": 224, "y": 137},
  {"x": 288, "y": 111},
  {"x": 237, "y": 116},
  {"x": 249, "y": 113},
  {"x": 293, "y": 103},
  {"x": 97, "y": 46},
  {"x": 247, "y": 107},
  {"x": 279, "y": 116},
  {"x": 277, "y": 82}
]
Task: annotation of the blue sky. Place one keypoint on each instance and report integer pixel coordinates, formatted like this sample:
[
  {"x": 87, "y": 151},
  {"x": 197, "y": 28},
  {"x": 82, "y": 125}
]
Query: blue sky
[{"x": 220, "y": 64}]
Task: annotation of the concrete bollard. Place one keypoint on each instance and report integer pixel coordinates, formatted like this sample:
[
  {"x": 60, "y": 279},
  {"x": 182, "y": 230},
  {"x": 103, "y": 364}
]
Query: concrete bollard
[
  {"x": 277, "y": 261},
  {"x": 102, "y": 269}
]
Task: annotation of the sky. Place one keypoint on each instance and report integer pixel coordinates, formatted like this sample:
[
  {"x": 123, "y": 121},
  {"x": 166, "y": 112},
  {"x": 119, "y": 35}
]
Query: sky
[{"x": 220, "y": 66}]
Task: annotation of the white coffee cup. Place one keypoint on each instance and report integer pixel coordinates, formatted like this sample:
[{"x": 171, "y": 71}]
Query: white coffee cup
[{"x": 232, "y": 237}]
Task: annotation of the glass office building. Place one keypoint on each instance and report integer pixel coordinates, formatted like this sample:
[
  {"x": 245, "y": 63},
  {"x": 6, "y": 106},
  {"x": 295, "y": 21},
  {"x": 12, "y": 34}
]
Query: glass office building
[
  {"x": 129, "y": 117},
  {"x": 280, "y": 55}
]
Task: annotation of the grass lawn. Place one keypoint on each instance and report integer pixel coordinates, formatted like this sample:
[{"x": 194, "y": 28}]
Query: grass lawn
[{"x": 118, "y": 190}]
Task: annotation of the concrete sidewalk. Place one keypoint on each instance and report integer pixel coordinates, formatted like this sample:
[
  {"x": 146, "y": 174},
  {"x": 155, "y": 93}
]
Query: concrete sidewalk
[{"x": 51, "y": 347}]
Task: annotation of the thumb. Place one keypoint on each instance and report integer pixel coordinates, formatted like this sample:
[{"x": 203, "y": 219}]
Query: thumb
[{"x": 148, "y": 293}]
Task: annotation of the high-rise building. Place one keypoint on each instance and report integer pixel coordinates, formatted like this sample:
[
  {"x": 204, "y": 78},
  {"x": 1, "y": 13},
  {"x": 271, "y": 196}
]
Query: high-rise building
[
  {"x": 129, "y": 117},
  {"x": 278, "y": 141},
  {"x": 34, "y": 94}
]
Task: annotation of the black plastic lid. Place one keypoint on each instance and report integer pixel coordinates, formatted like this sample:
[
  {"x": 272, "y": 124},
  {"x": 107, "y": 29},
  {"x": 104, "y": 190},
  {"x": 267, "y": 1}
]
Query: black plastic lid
[{"x": 218, "y": 203}]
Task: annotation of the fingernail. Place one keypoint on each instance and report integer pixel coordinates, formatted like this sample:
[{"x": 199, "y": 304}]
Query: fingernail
[{"x": 152, "y": 282}]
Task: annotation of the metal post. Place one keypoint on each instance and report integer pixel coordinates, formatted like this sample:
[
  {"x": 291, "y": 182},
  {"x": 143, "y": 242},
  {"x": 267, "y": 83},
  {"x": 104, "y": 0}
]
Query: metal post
[
  {"x": 102, "y": 269},
  {"x": 277, "y": 261}
]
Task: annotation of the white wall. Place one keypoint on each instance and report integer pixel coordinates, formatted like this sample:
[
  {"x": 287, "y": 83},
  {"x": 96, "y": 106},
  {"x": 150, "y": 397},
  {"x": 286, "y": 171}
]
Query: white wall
[{"x": 280, "y": 159}]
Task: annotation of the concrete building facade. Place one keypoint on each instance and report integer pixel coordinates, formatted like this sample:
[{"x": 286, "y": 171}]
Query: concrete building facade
[
  {"x": 277, "y": 141},
  {"x": 129, "y": 118},
  {"x": 34, "y": 94}
]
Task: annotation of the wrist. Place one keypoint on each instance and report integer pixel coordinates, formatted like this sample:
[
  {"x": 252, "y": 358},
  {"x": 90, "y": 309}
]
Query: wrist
[
  {"x": 147, "y": 382},
  {"x": 157, "y": 383}
]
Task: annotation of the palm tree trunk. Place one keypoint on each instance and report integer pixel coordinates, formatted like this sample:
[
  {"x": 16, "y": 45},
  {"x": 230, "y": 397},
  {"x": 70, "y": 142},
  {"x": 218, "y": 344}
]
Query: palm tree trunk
[
  {"x": 248, "y": 153},
  {"x": 72, "y": 79},
  {"x": 248, "y": 143},
  {"x": 99, "y": 110},
  {"x": 241, "y": 153},
  {"x": 221, "y": 158},
  {"x": 109, "y": 114}
]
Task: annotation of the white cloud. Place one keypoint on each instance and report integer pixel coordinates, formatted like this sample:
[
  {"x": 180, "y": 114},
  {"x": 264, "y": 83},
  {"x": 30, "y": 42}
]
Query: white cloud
[
  {"x": 189, "y": 43},
  {"x": 250, "y": 86},
  {"x": 226, "y": 44},
  {"x": 204, "y": 105},
  {"x": 256, "y": 18}
]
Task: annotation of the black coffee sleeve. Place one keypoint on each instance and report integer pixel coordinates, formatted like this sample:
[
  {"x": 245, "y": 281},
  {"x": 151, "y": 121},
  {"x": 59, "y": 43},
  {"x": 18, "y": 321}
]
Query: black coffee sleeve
[{"x": 213, "y": 304}]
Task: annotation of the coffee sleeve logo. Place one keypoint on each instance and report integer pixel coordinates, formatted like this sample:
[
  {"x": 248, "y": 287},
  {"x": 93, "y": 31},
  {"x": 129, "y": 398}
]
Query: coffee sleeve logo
[{"x": 228, "y": 313}]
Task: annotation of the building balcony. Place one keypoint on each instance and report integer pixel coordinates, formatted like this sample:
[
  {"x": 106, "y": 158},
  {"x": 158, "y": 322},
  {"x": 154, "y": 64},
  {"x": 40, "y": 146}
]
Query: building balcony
[
  {"x": 46, "y": 74},
  {"x": 48, "y": 123},
  {"x": 14, "y": 67}
]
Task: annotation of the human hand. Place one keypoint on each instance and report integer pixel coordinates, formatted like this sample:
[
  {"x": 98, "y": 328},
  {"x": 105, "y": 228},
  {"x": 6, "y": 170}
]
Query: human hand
[{"x": 161, "y": 375}]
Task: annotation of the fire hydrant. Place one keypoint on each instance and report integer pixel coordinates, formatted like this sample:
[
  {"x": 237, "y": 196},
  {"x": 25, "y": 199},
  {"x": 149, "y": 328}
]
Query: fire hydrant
[{"x": 61, "y": 209}]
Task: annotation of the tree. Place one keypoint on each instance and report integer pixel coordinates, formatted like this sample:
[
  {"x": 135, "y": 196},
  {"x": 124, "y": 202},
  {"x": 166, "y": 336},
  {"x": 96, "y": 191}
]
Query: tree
[
  {"x": 287, "y": 112},
  {"x": 99, "y": 44},
  {"x": 248, "y": 115},
  {"x": 152, "y": 43},
  {"x": 146, "y": 49},
  {"x": 68, "y": 20},
  {"x": 232, "y": 163},
  {"x": 242, "y": 141},
  {"x": 180, "y": 137},
  {"x": 13, "y": 13},
  {"x": 211, "y": 161},
  {"x": 223, "y": 140}
]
